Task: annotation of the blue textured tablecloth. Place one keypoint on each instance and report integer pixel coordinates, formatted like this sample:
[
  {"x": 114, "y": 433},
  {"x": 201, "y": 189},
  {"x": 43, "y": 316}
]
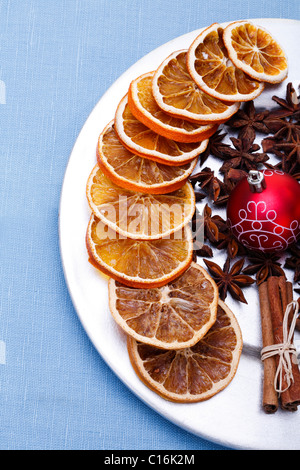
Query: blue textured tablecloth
[{"x": 57, "y": 58}]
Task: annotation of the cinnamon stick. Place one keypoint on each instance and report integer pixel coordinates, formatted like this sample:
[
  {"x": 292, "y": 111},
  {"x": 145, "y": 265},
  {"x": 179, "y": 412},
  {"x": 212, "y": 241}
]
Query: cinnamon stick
[
  {"x": 278, "y": 298},
  {"x": 298, "y": 319},
  {"x": 290, "y": 299},
  {"x": 270, "y": 396}
]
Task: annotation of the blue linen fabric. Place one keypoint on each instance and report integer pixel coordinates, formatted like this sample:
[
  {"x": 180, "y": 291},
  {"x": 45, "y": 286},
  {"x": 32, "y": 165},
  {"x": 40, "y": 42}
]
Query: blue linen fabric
[{"x": 57, "y": 58}]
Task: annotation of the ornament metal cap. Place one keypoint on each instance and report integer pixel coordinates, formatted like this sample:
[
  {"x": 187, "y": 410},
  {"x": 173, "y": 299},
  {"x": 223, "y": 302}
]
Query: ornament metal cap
[{"x": 256, "y": 181}]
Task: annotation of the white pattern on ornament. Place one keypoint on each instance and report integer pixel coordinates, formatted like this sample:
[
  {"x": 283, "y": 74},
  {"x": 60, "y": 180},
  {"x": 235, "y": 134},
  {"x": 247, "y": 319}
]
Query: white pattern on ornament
[{"x": 259, "y": 225}]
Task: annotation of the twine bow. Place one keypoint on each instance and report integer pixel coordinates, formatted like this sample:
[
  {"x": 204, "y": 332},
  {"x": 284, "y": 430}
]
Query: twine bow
[{"x": 284, "y": 350}]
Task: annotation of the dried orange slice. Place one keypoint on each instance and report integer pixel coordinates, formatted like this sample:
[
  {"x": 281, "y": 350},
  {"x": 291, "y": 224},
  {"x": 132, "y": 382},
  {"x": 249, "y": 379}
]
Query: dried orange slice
[
  {"x": 178, "y": 95},
  {"x": 209, "y": 65},
  {"x": 254, "y": 50},
  {"x": 141, "y": 140},
  {"x": 138, "y": 263},
  {"x": 144, "y": 107},
  {"x": 191, "y": 374},
  {"x": 136, "y": 173},
  {"x": 139, "y": 215},
  {"x": 174, "y": 316}
]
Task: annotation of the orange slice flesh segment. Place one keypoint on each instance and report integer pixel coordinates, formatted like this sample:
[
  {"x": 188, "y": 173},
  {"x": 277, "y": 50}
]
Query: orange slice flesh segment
[
  {"x": 174, "y": 316},
  {"x": 138, "y": 263},
  {"x": 141, "y": 140},
  {"x": 139, "y": 215},
  {"x": 254, "y": 50},
  {"x": 144, "y": 107},
  {"x": 178, "y": 95},
  {"x": 209, "y": 65},
  {"x": 130, "y": 171},
  {"x": 191, "y": 374}
]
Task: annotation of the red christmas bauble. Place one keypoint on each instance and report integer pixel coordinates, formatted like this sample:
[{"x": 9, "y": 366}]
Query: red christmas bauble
[{"x": 265, "y": 215}]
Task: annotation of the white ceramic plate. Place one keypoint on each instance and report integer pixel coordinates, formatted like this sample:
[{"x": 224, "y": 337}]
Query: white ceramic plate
[{"x": 234, "y": 417}]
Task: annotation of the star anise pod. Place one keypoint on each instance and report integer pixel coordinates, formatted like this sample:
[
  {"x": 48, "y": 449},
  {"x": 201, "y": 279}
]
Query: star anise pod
[
  {"x": 243, "y": 156},
  {"x": 199, "y": 196},
  {"x": 206, "y": 225},
  {"x": 232, "y": 177},
  {"x": 215, "y": 146},
  {"x": 248, "y": 121},
  {"x": 289, "y": 149},
  {"x": 293, "y": 262},
  {"x": 204, "y": 251},
  {"x": 207, "y": 180},
  {"x": 230, "y": 279},
  {"x": 228, "y": 242},
  {"x": 263, "y": 265},
  {"x": 290, "y": 106},
  {"x": 284, "y": 128},
  {"x": 270, "y": 145},
  {"x": 223, "y": 195}
]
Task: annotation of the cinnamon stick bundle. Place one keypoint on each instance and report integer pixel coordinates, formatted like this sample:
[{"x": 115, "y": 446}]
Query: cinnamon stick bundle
[
  {"x": 275, "y": 294},
  {"x": 278, "y": 295}
]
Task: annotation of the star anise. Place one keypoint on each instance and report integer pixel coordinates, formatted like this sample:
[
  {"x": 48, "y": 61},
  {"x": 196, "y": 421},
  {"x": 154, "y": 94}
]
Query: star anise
[
  {"x": 283, "y": 128},
  {"x": 204, "y": 251},
  {"x": 230, "y": 279},
  {"x": 293, "y": 262},
  {"x": 206, "y": 226},
  {"x": 243, "y": 156},
  {"x": 270, "y": 145},
  {"x": 211, "y": 184},
  {"x": 222, "y": 237},
  {"x": 263, "y": 265},
  {"x": 228, "y": 242},
  {"x": 288, "y": 107},
  {"x": 199, "y": 196},
  {"x": 248, "y": 121},
  {"x": 289, "y": 149},
  {"x": 232, "y": 177},
  {"x": 215, "y": 146}
]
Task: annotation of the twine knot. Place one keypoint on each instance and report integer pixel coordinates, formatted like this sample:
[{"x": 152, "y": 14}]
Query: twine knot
[{"x": 285, "y": 350}]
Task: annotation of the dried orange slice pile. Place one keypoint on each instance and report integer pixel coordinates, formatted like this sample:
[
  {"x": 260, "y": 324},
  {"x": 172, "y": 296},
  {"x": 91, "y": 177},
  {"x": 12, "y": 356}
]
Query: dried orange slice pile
[
  {"x": 183, "y": 342},
  {"x": 196, "y": 373}
]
